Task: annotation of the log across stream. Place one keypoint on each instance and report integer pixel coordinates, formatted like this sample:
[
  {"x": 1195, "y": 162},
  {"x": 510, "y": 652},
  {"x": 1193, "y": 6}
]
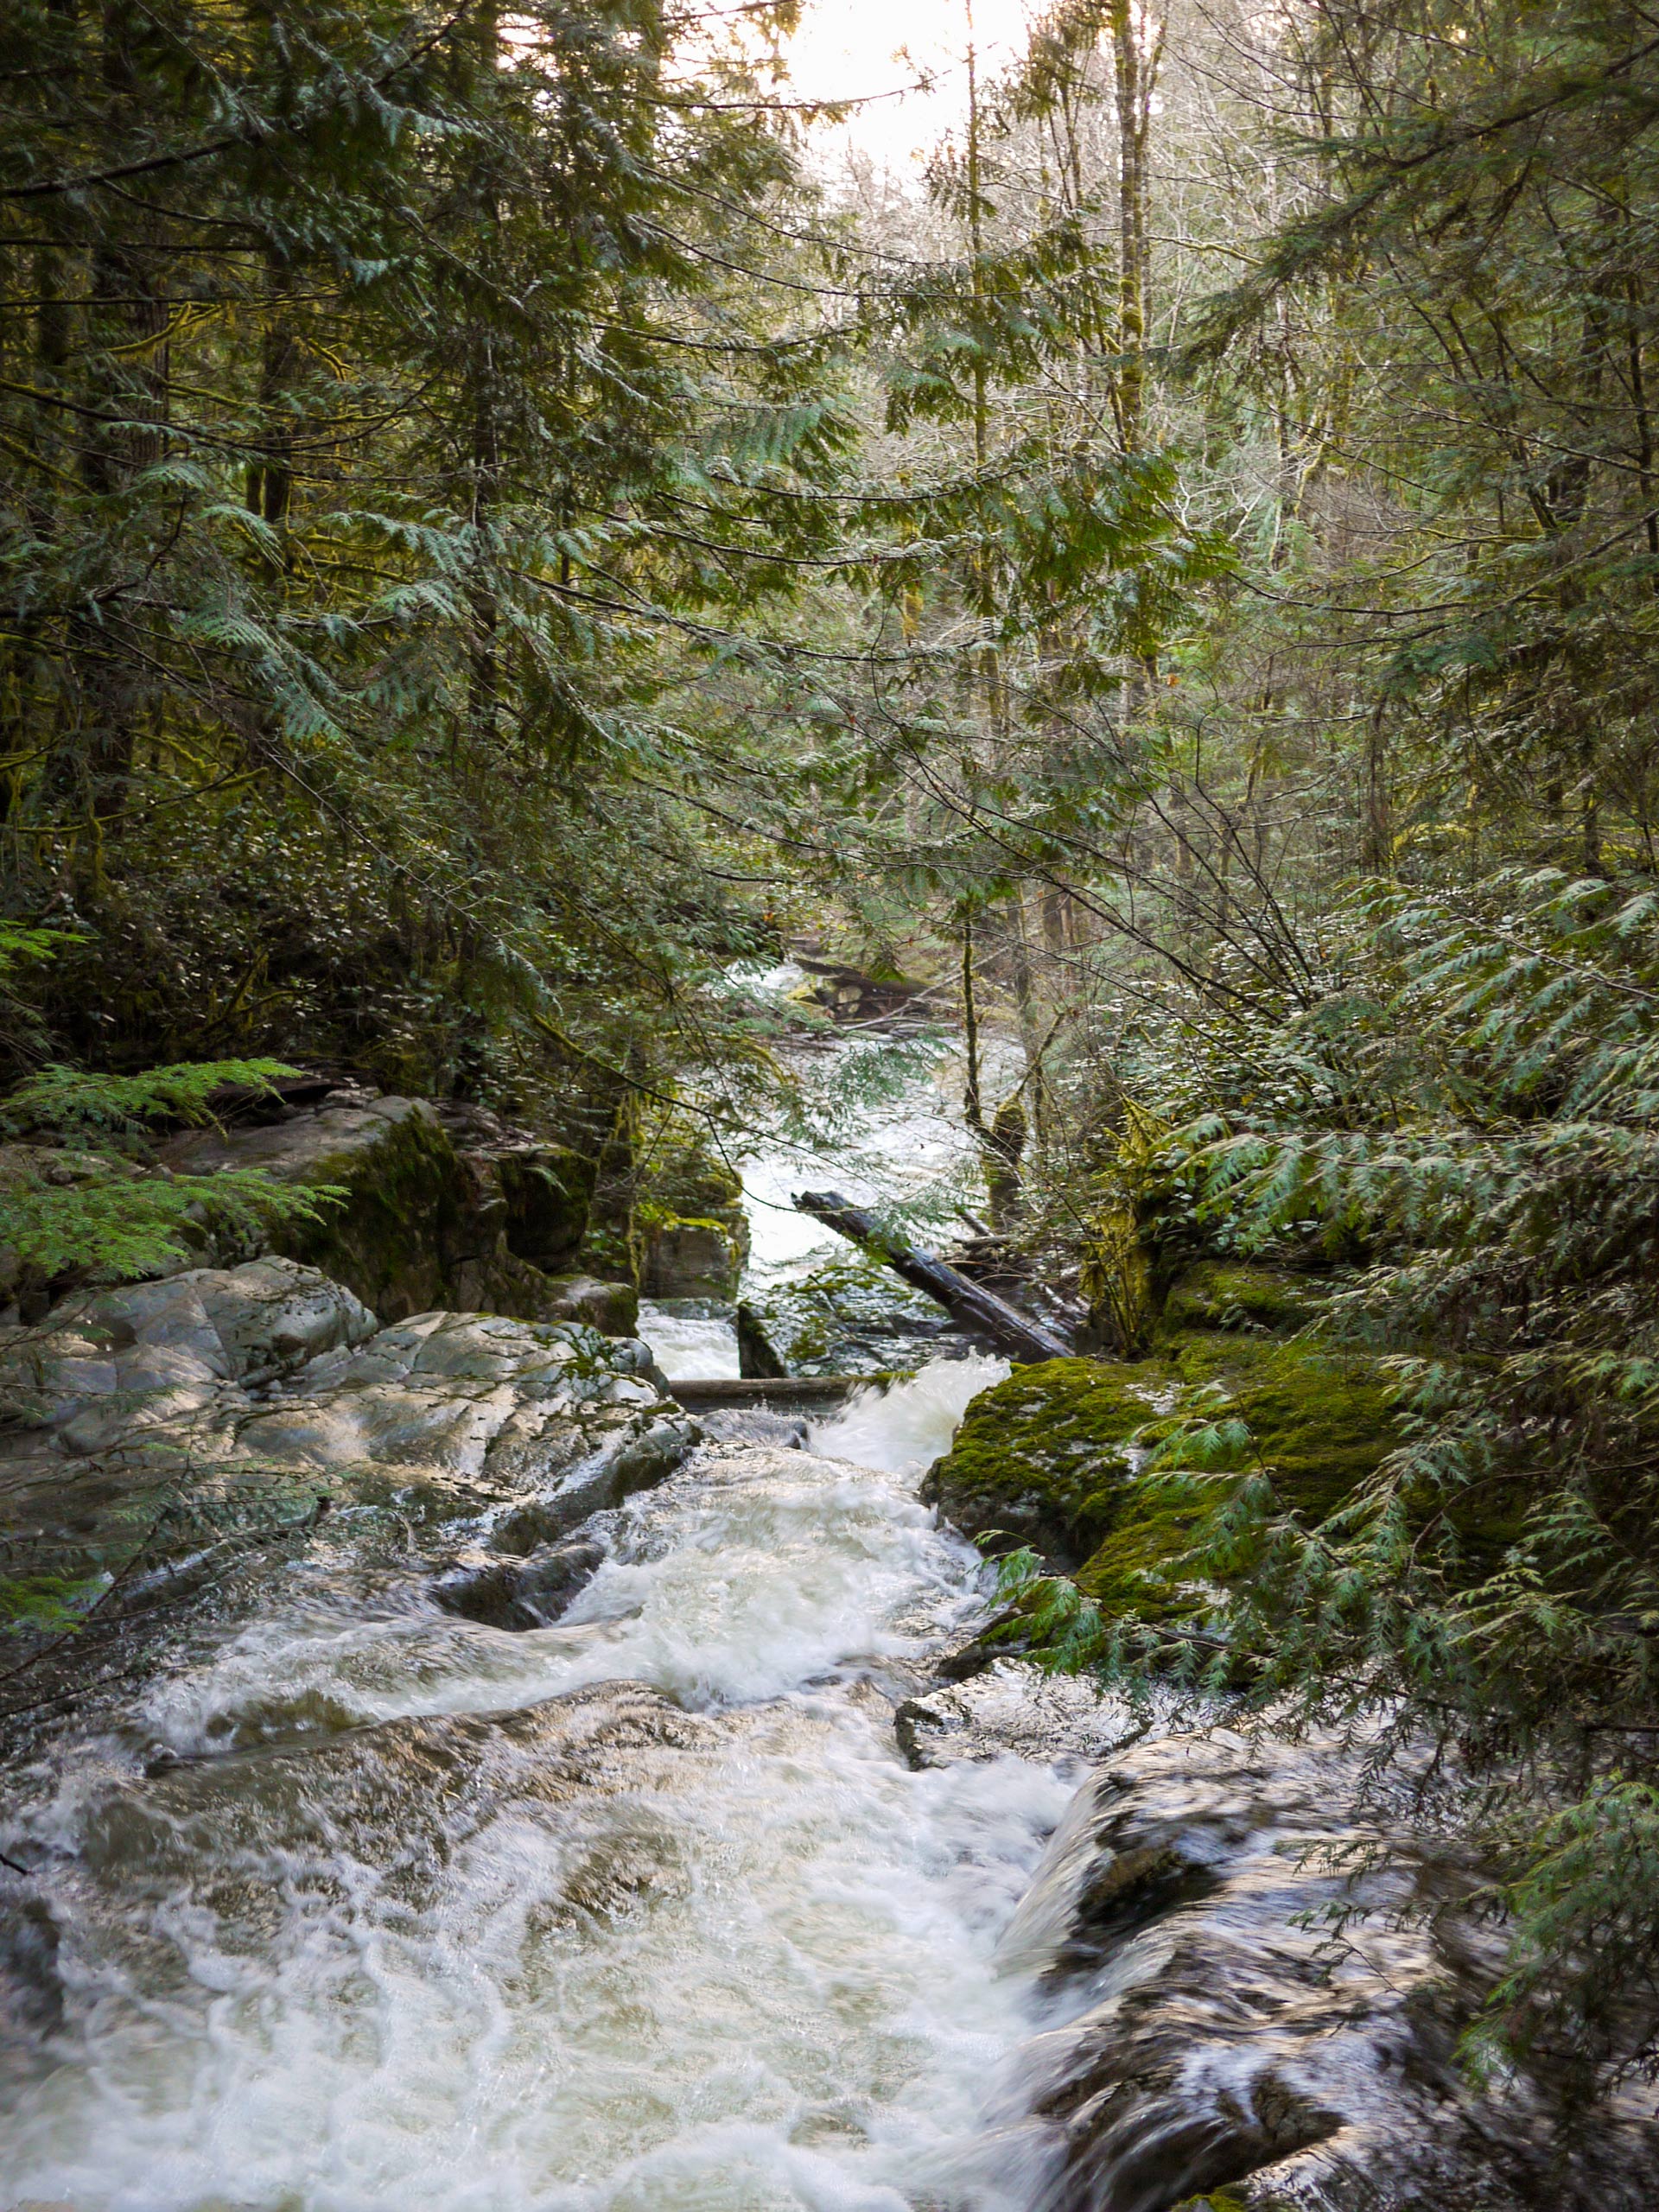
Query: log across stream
[{"x": 968, "y": 1304}]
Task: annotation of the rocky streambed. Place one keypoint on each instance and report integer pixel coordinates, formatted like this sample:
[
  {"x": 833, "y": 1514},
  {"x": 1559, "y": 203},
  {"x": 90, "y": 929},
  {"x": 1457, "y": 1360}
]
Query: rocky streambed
[{"x": 477, "y": 1786}]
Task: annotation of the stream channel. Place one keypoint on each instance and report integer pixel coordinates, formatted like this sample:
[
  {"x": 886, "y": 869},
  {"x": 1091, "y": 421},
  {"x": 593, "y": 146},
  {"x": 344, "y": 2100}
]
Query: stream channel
[
  {"x": 368, "y": 1906},
  {"x": 592, "y": 1813}
]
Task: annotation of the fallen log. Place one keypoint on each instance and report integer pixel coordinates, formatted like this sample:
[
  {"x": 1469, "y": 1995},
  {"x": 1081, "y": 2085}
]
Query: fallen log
[
  {"x": 966, "y": 1302},
  {"x": 791, "y": 1393}
]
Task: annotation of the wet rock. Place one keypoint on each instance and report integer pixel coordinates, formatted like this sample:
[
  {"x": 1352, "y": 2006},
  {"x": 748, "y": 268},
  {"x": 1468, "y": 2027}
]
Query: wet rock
[
  {"x": 102, "y": 1361},
  {"x": 611, "y": 1307},
  {"x": 228, "y": 1830},
  {"x": 181, "y": 1421},
  {"x": 1010, "y": 1708},
  {"x": 755, "y": 1354},
  {"x": 31, "y": 1991},
  {"x": 550, "y": 1578},
  {"x": 502, "y": 1591},
  {"x": 1265, "y": 1995}
]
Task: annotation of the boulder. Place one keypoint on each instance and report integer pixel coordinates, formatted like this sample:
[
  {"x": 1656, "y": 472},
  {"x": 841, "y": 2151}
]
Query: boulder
[
  {"x": 691, "y": 1232},
  {"x": 1259, "y": 1976},
  {"x": 152, "y": 1418},
  {"x": 611, "y": 1307},
  {"x": 546, "y": 1190},
  {"x": 505, "y": 1591},
  {"x": 1056, "y": 1456},
  {"x": 442, "y": 1207},
  {"x": 106, "y": 1362},
  {"x": 1234, "y": 1295},
  {"x": 400, "y": 1230},
  {"x": 689, "y": 1259}
]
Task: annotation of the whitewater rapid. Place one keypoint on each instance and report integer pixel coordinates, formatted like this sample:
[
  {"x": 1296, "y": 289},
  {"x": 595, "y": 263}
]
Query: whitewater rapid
[{"x": 359, "y": 1923}]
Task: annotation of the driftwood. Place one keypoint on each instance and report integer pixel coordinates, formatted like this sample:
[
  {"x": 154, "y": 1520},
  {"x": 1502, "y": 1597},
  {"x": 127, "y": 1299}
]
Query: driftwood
[{"x": 976, "y": 1308}]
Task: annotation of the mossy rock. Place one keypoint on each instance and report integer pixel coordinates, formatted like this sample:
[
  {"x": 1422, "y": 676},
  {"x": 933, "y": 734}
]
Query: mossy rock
[
  {"x": 1320, "y": 1419},
  {"x": 1055, "y": 1457},
  {"x": 688, "y": 1229},
  {"x": 1048, "y": 1457},
  {"x": 421, "y": 1227},
  {"x": 547, "y": 1192},
  {"x": 689, "y": 1259},
  {"x": 403, "y": 1210},
  {"x": 1319, "y": 1415},
  {"x": 1234, "y": 1296},
  {"x": 393, "y": 1237}
]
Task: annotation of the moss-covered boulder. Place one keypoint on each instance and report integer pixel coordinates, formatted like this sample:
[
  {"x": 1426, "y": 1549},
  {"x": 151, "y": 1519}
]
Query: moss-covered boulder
[
  {"x": 398, "y": 1233},
  {"x": 690, "y": 1229},
  {"x": 1048, "y": 1457},
  {"x": 425, "y": 1223},
  {"x": 1056, "y": 1456},
  {"x": 547, "y": 1191},
  {"x": 1235, "y": 1295}
]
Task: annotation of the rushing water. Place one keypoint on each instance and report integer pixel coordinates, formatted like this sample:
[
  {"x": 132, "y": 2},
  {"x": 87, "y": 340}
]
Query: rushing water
[{"x": 371, "y": 1924}]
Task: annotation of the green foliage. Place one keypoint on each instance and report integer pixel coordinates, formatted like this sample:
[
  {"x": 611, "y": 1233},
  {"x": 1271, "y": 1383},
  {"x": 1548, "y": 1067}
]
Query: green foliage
[
  {"x": 385, "y": 466},
  {"x": 1472, "y": 1102},
  {"x": 68, "y": 1098},
  {"x": 46, "y": 1604},
  {"x": 93, "y": 1213},
  {"x": 113, "y": 1229}
]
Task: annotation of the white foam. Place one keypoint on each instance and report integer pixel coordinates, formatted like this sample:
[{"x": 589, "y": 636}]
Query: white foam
[
  {"x": 689, "y": 1347},
  {"x": 902, "y": 1430},
  {"x": 791, "y": 2004}
]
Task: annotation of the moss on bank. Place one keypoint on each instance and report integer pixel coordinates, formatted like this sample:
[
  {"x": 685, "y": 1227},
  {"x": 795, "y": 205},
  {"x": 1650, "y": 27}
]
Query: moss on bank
[
  {"x": 1048, "y": 1457},
  {"x": 1057, "y": 1458}
]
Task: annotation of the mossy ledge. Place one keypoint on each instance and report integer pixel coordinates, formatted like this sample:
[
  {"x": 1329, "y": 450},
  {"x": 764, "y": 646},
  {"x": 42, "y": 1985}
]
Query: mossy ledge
[{"x": 1055, "y": 1457}]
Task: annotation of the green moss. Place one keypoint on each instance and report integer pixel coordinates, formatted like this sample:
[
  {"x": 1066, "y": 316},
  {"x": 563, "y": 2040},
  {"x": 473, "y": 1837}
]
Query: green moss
[
  {"x": 547, "y": 1194},
  {"x": 1055, "y": 1457},
  {"x": 1318, "y": 1419},
  {"x": 1222, "y": 1294},
  {"x": 390, "y": 1240},
  {"x": 1047, "y": 1456}
]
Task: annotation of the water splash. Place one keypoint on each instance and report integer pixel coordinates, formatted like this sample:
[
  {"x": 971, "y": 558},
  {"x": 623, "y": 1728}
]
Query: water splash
[
  {"x": 903, "y": 1429},
  {"x": 689, "y": 1347},
  {"x": 422, "y": 1941}
]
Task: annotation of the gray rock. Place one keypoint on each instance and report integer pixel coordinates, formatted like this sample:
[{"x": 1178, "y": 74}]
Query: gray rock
[
  {"x": 1266, "y": 1992},
  {"x": 147, "y": 1413},
  {"x": 153, "y": 1351},
  {"x": 611, "y": 1307},
  {"x": 425, "y": 1220},
  {"x": 1012, "y": 1707},
  {"x": 503, "y": 1592}
]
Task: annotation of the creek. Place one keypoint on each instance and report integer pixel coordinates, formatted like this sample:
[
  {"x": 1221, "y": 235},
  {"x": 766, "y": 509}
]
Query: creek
[
  {"x": 574, "y": 1822},
  {"x": 369, "y": 1906}
]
